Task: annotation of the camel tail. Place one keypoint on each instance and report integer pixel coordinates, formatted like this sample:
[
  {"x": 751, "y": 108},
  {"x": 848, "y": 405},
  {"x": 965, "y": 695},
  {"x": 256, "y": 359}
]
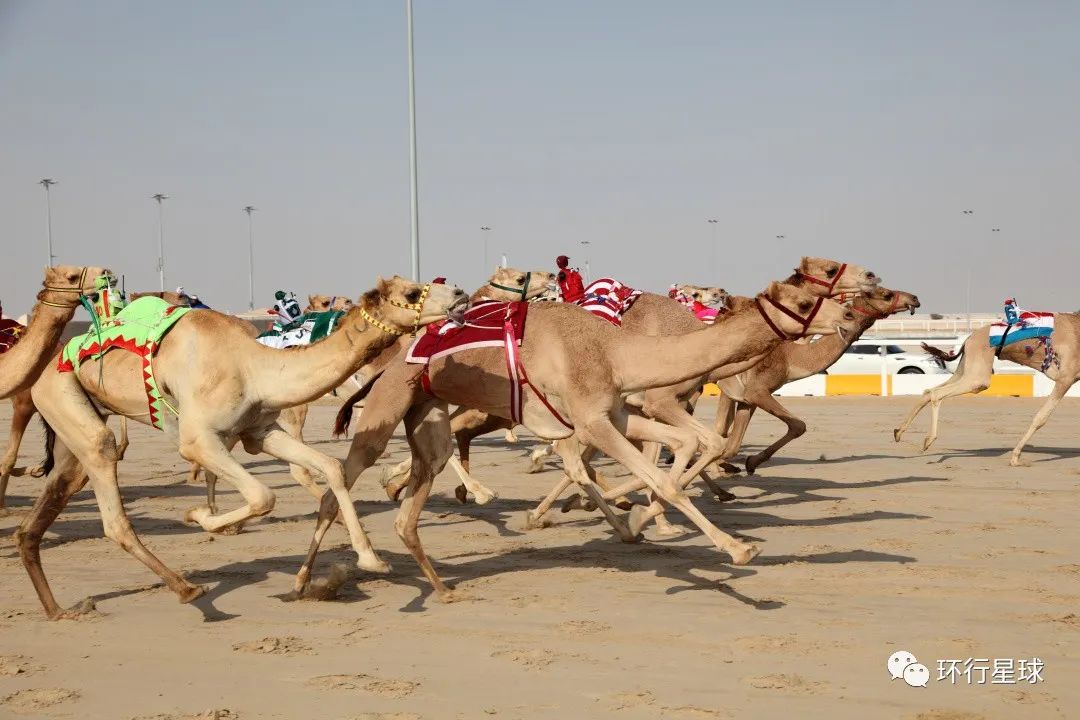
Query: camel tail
[
  {"x": 344, "y": 415},
  {"x": 50, "y": 448},
  {"x": 940, "y": 354}
]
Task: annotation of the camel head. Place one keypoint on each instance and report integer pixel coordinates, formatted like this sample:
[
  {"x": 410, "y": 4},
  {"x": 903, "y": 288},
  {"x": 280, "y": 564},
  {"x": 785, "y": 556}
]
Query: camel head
[
  {"x": 325, "y": 303},
  {"x": 65, "y": 283},
  {"x": 830, "y": 278},
  {"x": 508, "y": 284},
  {"x": 403, "y": 305},
  {"x": 705, "y": 295},
  {"x": 883, "y": 302},
  {"x": 831, "y": 317}
]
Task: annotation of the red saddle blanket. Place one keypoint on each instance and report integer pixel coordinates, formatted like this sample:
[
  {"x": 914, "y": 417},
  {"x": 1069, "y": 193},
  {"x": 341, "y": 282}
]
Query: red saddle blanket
[
  {"x": 609, "y": 299},
  {"x": 10, "y": 331},
  {"x": 484, "y": 326}
]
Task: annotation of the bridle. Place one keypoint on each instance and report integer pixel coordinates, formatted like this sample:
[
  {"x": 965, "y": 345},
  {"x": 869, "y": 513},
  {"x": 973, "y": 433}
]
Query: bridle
[
  {"x": 825, "y": 283},
  {"x": 524, "y": 291},
  {"x": 893, "y": 308},
  {"x": 805, "y": 322},
  {"x": 77, "y": 289},
  {"x": 417, "y": 306}
]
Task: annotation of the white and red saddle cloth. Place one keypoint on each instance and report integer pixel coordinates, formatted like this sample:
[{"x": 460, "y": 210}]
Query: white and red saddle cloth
[
  {"x": 1030, "y": 325},
  {"x": 701, "y": 311},
  {"x": 10, "y": 332},
  {"x": 609, "y": 299}
]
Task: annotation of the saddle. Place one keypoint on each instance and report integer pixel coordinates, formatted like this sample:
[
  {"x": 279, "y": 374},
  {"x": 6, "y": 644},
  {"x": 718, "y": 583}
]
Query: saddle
[
  {"x": 609, "y": 299},
  {"x": 307, "y": 329},
  {"x": 10, "y": 332},
  {"x": 484, "y": 326}
]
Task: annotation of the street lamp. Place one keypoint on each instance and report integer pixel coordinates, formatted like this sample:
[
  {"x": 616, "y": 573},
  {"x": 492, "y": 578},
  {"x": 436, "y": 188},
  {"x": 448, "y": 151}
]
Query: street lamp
[
  {"x": 414, "y": 201},
  {"x": 160, "y": 197},
  {"x": 251, "y": 257},
  {"x": 970, "y": 214},
  {"x": 712, "y": 262},
  {"x": 781, "y": 237},
  {"x": 46, "y": 183},
  {"x": 585, "y": 251}
]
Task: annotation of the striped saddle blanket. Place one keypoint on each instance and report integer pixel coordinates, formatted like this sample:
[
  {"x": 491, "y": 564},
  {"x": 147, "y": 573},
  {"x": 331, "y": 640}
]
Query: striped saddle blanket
[
  {"x": 485, "y": 325},
  {"x": 609, "y": 299},
  {"x": 305, "y": 330},
  {"x": 10, "y": 331},
  {"x": 1031, "y": 325}
]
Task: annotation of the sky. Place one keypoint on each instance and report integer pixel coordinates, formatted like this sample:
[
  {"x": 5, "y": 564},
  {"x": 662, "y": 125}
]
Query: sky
[{"x": 858, "y": 131}]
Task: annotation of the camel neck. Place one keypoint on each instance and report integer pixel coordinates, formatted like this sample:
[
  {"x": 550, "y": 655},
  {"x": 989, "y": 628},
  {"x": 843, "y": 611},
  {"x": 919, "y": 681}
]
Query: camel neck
[
  {"x": 804, "y": 360},
  {"x": 642, "y": 362},
  {"x": 299, "y": 375},
  {"x": 21, "y": 365}
]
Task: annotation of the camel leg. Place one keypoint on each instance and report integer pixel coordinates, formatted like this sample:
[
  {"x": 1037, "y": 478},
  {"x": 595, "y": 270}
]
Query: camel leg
[
  {"x": 66, "y": 479},
  {"x": 210, "y": 451},
  {"x": 464, "y": 437},
  {"x": 193, "y": 473},
  {"x": 427, "y": 427},
  {"x": 533, "y": 517},
  {"x": 795, "y": 428},
  {"x": 292, "y": 420},
  {"x": 482, "y": 493},
  {"x": 571, "y": 451},
  {"x": 725, "y": 415},
  {"x": 1060, "y": 388},
  {"x": 22, "y": 409},
  {"x": 536, "y": 458},
  {"x": 600, "y": 432},
  {"x": 283, "y": 446},
  {"x": 964, "y": 384},
  {"x": 123, "y": 443}
]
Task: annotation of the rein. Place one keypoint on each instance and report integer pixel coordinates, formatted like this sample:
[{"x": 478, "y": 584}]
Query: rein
[
  {"x": 805, "y": 322},
  {"x": 417, "y": 306},
  {"x": 524, "y": 291},
  {"x": 825, "y": 283},
  {"x": 77, "y": 289}
]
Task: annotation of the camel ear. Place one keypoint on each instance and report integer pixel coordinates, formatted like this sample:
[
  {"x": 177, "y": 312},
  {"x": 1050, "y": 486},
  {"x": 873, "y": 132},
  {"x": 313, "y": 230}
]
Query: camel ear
[
  {"x": 371, "y": 297},
  {"x": 382, "y": 287},
  {"x": 773, "y": 290}
]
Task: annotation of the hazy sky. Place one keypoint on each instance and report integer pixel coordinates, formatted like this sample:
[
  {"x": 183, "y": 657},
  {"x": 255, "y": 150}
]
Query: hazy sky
[{"x": 858, "y": 130}]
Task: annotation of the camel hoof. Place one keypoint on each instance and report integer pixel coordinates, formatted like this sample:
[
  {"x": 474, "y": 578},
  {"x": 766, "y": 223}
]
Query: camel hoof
[
  {"x": 462, "y": 494},
  {"x": 83, "y": 609},
  {"x": 623, "y": 505},
  {"x": 197, "y": 514},
  {"x": 896, "y": 434},
  {"x": 234, "y": 529},
  {"x": 374, "y": 564},
  {"x": 452, "y": 596},
  {"x": 1015, "y": 461},
  {"x": 192, "y": 592},
  {"x": 535, "y": 465},
  {"x": 485, "y": 498},
  {"x": 730, "y": 469},
  {"x": 37, "y": 471},
  {"x": 743, "y": 553},
  {"x": 669, "y": 530},
  {"x": 534, "y": 521},
  {"x": 638, "y": 518},
  {"x": 394, "y": 491},
  {"x": 510, "y": 436},
  {"x": 574, "y": 502}
]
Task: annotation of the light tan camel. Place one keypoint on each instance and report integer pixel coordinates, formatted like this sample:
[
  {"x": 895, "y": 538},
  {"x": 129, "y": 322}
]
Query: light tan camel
[
  {"x": 505, "y": 285},
  {"x": 744, "y": 393},
  {"x": 224, "y": 385},
  {"x": 655, "y": 315},
  {"x": 977, "y": 366},
  {"x": 704, "y": 295},
  {"x": 325, "y": 303},
  {"x": 579, "y": 369},
  {"x": 63, "y": 287}
]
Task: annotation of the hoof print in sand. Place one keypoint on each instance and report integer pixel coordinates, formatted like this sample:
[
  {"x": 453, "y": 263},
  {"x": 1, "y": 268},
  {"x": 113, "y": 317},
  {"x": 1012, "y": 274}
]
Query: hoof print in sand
[
  {"x": 275, "y": 646},
  {"x": 788, "y": 683},
  {"x": 16, "y": 665},
  {"x": 394, "y": 689},
  {"x": 31, "y": 701}
]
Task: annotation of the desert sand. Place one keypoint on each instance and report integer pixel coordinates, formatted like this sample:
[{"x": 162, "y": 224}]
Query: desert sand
[{"x": 868, "y": 547}]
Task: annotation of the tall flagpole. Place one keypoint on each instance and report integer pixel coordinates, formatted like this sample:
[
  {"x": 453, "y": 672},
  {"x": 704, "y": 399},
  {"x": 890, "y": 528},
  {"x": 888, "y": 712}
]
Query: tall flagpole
[{"x": 412, "y": 149}]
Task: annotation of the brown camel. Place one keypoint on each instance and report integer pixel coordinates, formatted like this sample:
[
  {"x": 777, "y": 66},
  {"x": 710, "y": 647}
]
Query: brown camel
[
  {"x": 579, "y": 368},
  {"x": 659, "y": 315},
  {"x": 742, "y": 394},
  {"x": 64, "y": 287},
  {"x": 977, "y": 366},
  {"x": 325, "y": 303},
  {"x": 218, "y": 395}
]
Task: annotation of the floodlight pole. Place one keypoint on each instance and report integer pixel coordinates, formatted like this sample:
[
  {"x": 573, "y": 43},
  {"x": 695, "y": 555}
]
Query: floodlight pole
[
  {"x": 45, "y": 183},
  {"x": 251, "y": 257},
  {"x": 160, "y": 197},
  {"x": 412, "y": 149}
]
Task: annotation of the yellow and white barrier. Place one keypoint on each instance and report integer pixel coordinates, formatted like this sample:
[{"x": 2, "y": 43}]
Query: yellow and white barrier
[{"x": 1001, "y": 385}]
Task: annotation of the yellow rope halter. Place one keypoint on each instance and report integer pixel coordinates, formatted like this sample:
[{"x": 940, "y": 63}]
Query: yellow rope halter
[
  {"x": 417, "y": 306},
  {"x": 78, "y": 289}
]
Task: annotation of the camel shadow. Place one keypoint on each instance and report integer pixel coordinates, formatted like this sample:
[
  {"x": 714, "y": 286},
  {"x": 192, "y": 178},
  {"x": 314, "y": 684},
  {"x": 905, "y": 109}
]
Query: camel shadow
[{"x": 1056, "y": 453}]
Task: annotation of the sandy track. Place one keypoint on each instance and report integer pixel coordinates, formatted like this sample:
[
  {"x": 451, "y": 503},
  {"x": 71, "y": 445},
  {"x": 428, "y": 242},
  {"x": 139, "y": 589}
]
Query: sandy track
[{"x": 868, "y": 547}]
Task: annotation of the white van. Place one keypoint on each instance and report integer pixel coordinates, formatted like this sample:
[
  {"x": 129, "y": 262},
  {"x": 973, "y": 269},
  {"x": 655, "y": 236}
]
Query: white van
[{"x": 864, "y": 358}]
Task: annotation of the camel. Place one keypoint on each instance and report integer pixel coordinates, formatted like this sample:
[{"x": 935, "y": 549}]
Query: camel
[
  {"x": 64, "y": 287},
  {"x": 977, "y": 366},
  {"x": 506, "y": 284},
  {"x": 216, "y": 396},
  {"x": 325, "y": 303},
  {"x": 742, "y": 394},
  {"x": 659, "y": 315},
  {"x": 704, "y": 295},
  {"x": 579, "y": 368}
]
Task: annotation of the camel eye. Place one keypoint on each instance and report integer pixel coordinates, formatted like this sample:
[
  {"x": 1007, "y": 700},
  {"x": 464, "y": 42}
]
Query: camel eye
[
  {"x": 72, "y": 278},
  {"x": 696, "y": 295},
  {"x": 412, "y": 296},
  {"x": 888, "y": 296},
  {"x": 831, "y": 271},
  {"x": 804, "y": 306},
  {"x": 521, "y": 280}
]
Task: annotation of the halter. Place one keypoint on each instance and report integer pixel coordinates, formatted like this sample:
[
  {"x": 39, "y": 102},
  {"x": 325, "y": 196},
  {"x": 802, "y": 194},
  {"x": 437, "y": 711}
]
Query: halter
[
  {"x": 524, "y": 287},
  {"x": 418, "y": 306},
  {"x": 825, "y": 283},
  {"x": 78, "y": 289},
  {"x": 805, "y": 322}
]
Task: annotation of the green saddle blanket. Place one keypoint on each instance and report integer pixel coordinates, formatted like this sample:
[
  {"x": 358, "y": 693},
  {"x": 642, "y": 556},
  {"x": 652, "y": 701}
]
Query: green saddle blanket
[
  {"x": 305, "y": 330},
  {"x": 138, "y": 328}
]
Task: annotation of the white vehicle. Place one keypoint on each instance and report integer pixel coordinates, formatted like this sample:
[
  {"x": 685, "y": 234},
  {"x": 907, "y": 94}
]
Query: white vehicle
[{"x": 864, "y": 358}]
